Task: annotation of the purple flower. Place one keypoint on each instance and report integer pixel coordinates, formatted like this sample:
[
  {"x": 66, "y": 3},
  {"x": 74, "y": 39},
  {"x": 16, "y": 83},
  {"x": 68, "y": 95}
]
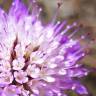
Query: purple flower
[{"x": 37, "y": 60}]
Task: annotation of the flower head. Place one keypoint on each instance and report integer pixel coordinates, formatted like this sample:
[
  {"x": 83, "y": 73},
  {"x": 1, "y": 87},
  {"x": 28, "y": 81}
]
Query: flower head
[{"x": 37, "y": 60}]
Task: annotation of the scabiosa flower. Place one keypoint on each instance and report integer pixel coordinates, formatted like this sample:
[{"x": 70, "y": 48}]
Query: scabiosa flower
[{"x": 37, "y": 60}]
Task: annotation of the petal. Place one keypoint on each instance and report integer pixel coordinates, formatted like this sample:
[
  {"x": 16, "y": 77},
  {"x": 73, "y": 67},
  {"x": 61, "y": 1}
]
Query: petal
[
  {"x": 81, "y": 89},
  {"x": 17, "y": 10},
  {"x": 49, "y": 79},
  {"x": 11, "y": 90}
]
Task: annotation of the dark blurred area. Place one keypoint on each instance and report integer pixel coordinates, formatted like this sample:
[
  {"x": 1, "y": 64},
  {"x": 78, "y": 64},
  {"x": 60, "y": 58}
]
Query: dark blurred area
[{"x": 82, "y": 11}]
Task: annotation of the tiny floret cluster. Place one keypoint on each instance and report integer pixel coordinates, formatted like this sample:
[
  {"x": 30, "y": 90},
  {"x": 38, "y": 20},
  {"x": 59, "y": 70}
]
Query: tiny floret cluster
[{"x": 37, "y": 59}]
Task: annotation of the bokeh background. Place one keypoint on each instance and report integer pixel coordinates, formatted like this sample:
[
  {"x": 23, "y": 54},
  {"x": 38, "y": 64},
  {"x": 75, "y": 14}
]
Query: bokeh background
[{"x": 83, "y": 12}]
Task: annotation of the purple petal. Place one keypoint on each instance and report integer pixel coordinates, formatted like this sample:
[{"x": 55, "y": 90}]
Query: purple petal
[
  {"x": 18, "y": 10},
  {"x": 80, "y": 89}
]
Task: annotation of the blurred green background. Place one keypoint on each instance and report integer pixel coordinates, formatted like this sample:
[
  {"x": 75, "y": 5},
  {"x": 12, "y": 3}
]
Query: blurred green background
[{"x": 83, "y": 11}]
